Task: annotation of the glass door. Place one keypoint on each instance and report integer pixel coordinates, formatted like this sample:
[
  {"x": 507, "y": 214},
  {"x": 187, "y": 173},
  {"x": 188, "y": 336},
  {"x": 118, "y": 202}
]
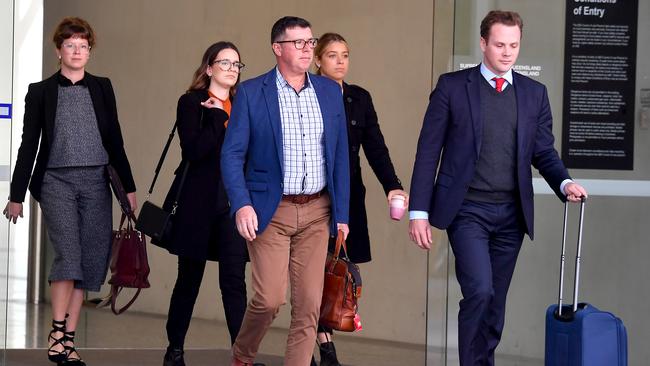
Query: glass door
[
  {"x": 6, "y": 84},
  {"x": 615, "y": 244}
]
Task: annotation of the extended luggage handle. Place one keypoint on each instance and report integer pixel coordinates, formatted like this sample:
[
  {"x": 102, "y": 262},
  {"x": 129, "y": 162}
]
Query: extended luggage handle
[{"x": 576, "y": 280}]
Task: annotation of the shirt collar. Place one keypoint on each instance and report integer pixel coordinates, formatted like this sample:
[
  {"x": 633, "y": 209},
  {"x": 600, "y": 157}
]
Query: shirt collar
[
  {"x": 283, "y": 83},
  {"x": 488, "y": 75},
  {"x": 64, "y": 81}
]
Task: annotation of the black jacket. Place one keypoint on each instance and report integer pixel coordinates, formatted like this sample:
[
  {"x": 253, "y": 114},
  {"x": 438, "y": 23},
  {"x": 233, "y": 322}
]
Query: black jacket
[
  {"x": 363, "y": 131},
  {"x": 40, "y": 112},
  {"x": 203, "y": 228}
]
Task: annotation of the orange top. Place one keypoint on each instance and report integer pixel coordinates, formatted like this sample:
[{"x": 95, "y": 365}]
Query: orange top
[{"x": 227, "y": 106}]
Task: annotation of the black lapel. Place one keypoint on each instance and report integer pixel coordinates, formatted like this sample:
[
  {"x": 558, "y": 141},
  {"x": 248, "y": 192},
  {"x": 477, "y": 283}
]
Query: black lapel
[
  {"x": 474, "y": 97},
  {"x": 522, "y": 96},
  {"x": 99, "y": 103},
  {"x": 50, "y": 100}
]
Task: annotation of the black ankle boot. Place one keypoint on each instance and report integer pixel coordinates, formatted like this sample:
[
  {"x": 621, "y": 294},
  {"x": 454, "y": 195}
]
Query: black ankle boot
[
  {"x": 328, "y": 354},
  {"x": 174, "y": 357}
]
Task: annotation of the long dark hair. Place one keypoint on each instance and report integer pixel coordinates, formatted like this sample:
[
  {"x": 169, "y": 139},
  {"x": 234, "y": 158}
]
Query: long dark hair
[{"x": 201, "y": 80}]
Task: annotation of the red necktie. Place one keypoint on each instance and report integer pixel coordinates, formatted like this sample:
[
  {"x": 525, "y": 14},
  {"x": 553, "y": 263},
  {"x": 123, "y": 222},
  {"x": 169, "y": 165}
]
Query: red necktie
[{"x": 499, "y": 82}]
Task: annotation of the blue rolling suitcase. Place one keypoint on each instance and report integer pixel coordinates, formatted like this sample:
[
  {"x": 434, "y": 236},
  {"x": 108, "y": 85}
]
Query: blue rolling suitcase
[{"x": 580, "y": 334}]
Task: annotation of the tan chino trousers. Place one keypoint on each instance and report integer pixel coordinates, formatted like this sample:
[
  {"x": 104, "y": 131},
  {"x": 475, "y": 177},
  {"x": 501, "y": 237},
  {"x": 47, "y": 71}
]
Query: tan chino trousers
[{"x": 293, "y": 247}]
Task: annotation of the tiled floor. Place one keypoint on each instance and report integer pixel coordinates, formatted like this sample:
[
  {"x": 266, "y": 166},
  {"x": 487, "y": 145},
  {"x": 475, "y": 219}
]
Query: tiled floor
[{"x": 139, "y": 339}]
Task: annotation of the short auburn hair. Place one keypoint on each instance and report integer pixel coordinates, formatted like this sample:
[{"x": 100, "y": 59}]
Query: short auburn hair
[
  {"x": 509, "y": 18},
  {"x": 73, "y": 26}
]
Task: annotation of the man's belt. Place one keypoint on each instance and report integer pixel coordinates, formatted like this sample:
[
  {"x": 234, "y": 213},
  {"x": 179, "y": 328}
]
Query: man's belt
[{"x": 301, "y": 199}]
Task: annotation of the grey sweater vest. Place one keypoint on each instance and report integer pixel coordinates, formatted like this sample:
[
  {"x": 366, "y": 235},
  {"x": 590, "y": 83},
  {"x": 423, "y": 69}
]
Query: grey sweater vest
[
  {"x": 495, "y": 178},
  {"x": 76, "y": 141}
]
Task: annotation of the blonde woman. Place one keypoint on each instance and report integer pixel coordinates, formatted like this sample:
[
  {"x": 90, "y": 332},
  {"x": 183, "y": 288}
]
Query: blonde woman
[{"x": 332, "y": 59}]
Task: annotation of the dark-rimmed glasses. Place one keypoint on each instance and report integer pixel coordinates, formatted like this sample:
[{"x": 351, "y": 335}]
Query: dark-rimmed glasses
[
  {"x": 300, "y": 43},
  {"x": 226, "y": 65}
]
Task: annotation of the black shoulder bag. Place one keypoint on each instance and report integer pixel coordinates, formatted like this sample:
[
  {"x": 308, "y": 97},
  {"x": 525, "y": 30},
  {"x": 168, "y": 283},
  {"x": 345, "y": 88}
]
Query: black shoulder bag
[{"x": 153, "y": 220}]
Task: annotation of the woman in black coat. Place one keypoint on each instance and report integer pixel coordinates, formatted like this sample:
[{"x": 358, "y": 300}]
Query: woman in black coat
[
  {"x": 203, "y": 228},
  {"x": 332, "y": 60},
  {"x": 74, "y": 115}
]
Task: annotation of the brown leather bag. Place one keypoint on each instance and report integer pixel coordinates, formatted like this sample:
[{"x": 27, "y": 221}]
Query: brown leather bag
[
  {"x": 341, "y": 291},
  {"x": 129, "y": 264}
]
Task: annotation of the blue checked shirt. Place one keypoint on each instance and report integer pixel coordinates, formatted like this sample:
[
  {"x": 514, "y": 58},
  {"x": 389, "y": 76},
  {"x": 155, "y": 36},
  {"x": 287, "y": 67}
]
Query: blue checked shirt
[{"x": 302, "y": 138}]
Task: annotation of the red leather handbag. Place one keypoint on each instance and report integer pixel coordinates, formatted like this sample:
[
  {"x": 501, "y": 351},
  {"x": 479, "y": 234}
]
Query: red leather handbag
[
  {"x": 129, "y": 265},
  {"x": 341, "y": 291}
]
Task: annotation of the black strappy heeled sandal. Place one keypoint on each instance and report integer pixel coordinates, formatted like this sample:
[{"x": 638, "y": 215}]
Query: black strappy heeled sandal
[
  {"x": 52, "y": 354},
  {"x": 71, "y": 351}
]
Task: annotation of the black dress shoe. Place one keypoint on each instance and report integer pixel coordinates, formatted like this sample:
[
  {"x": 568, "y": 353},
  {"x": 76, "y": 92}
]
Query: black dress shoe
[
  {"x": 174, "y": 357},
  {"x": 328, "y": 354}
]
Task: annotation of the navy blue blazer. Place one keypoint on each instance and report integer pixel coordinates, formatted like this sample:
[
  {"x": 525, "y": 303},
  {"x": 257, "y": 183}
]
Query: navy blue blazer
[
  {"x": 451, "y": 136},
  {"x": 252, "y": 158}
]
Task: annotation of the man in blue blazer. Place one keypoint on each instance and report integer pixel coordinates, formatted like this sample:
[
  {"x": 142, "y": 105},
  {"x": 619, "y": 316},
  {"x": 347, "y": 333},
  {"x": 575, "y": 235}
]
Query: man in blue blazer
[
  {"x": 485, "y": 126},
  {"x": 285, "y": 168}
]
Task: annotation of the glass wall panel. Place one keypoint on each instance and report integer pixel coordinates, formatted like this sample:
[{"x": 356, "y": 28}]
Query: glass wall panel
[
  {"x": 615, "y": 239},
  {"x": 23, "y": 53},
  {"x": 6, "y": 68}
]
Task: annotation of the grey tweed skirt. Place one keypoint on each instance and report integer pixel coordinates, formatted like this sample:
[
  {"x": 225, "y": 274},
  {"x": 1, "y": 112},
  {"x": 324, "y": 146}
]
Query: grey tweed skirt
[{"x": 76, "y": 204}]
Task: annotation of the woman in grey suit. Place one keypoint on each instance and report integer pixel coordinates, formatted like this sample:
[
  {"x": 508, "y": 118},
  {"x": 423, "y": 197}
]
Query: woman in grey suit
[{"x": 74, "y": 115}]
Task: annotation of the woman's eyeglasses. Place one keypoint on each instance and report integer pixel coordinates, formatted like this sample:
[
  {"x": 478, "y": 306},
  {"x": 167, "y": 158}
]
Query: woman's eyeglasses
[{"x": 226, "y": 65}]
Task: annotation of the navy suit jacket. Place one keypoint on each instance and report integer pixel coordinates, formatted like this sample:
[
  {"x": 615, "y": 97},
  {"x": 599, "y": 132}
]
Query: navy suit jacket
[
  {"x": 252, "y": 162},
  {"x": 451, "y": 136}
]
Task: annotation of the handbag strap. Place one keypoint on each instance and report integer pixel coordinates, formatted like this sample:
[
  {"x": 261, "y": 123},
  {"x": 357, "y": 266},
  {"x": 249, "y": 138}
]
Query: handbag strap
[
  {"x": 129, "y": 223},
  {"x": 162, "y": 159},
  {"x": 180, "y": 187},
  {"x": 340, "y": 244},
  {"x": 115, "y": 290},
  {"x": 162, "y": 156},
  {"x": 118, "y": 190}
]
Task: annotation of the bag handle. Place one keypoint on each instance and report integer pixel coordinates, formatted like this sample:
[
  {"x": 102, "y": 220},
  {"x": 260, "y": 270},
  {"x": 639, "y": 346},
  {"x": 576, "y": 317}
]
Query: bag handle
[
  {"x": 118, "y": 191},
  {"x": 115, "y": 290},
  {"x": 340, "y": 244},
  {"x": 129, "y": 222}
]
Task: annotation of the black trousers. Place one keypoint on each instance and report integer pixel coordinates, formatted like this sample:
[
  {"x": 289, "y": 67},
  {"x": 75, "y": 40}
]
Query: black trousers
[{"x": 190, "y": 274}]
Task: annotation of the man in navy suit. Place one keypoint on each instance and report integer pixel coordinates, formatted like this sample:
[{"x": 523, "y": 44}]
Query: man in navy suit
[
  {"x": 485, "y": 126},
  {"x": 285, "y": 168}
]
